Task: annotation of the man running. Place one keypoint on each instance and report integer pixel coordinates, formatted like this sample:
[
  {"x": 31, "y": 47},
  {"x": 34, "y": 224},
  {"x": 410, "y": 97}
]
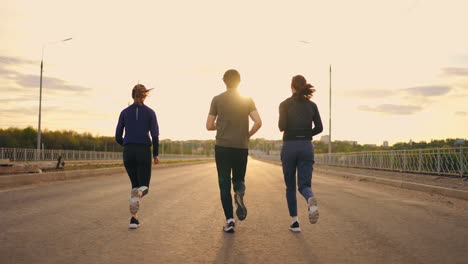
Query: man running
[{"x": 229, "y": 116}]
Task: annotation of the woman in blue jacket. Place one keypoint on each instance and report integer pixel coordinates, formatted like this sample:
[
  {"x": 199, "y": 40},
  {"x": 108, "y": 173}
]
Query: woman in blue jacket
[
  {"x": 138, "y": 121},
  {"x": 296, "y": 116}
]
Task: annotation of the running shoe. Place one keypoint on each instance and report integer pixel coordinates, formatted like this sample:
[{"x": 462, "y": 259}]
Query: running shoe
[
  {"x": 134, "y": 223},
  {"x": 134, "y": 201},
  {"x": 241, "y": 209},
  {"x": 143, "y": 191},
  {"x": 313, "y": 210},
  {"x": 295, "y": 227},
  {"x": 229, "y": 227}
]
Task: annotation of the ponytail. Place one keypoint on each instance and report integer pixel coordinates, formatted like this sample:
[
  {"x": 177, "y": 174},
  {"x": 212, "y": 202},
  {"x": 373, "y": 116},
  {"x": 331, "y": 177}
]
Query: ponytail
[
  {"x": 139, "y": 93},
  {"x": 303, "y": 89}
]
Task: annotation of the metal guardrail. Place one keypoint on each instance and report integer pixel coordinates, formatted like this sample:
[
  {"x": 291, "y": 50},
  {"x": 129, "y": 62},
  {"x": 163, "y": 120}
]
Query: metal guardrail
[
  {"x": 18, "y": 154},
  {"x": 439, "y": 161}
]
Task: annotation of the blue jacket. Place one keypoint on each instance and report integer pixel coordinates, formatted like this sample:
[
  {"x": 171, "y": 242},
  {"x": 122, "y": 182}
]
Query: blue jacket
[{"x": 139, "y": 121}]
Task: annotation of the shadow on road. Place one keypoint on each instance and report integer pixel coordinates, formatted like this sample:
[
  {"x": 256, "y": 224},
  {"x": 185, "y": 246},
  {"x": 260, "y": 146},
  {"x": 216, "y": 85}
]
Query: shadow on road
[
  {"x": 306, "y": 248},
  {"x": 230, "y": 252}
]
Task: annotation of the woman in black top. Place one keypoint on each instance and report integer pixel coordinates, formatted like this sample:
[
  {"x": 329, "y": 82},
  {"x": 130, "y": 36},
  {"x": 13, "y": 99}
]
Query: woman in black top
[{"x": 296, "y": 115}]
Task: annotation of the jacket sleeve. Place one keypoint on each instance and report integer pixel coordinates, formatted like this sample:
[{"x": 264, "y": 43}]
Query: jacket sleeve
[
  {"x": 282, "y": 122},
  {"x": 154, "y": 130},
  {"x": 318, "y": 127},
  {"x": 119, "y": 129}
]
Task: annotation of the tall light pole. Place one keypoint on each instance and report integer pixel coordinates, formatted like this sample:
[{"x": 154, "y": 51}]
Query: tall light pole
[
  {"x": 40, "y": 92},
  {"x": 330, "y": 107},
  {"x": 329, "y": 119}
]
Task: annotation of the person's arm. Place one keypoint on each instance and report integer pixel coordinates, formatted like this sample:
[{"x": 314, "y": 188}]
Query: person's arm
[
  {"x": 119, "y": 129},
  {"x": 253, "y": 113},
  {"x": 318, "y": 127},
  {"x": 210, "y": 123},
  {"x": 257, "y": 123},
  {"x": 282, "y": 122},
  {"x": 154, "y": 130}
]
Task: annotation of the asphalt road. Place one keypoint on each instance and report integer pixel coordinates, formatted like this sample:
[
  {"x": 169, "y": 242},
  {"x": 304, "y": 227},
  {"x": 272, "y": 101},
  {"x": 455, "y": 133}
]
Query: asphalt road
[{"x": 85, "y": 221}]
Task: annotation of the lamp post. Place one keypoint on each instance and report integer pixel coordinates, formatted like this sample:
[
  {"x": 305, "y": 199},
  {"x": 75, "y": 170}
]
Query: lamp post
[
  {"x": 40, "y": 92},
  {"x": 329, "y": 118},
  {"x": 330, "y": 107}
]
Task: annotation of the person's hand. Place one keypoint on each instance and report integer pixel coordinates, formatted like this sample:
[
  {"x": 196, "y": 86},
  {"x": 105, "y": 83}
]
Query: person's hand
[{"x": 156, "y": 160}]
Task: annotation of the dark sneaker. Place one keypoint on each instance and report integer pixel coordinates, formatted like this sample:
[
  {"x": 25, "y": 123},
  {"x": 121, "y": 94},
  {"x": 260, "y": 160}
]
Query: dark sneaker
[
  {"x": 134, "y": 223},
  {"x": 134, "y": 201},
  {"x": 229, "y": 227},
  {"x": 295, "y": 227},
  {"x": 241, "y": 209},
  {"x": 313, "y": 210}
]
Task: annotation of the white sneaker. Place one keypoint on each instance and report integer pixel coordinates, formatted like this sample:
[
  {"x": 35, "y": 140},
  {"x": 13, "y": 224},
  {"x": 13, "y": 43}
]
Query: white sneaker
[
  {"x": 313, "y": 210},
  {"x": 143, "y": 191},
  {"x": 134, "y": 201},
  {"x": 295, "y": 227},
  {"x": 229, "y": 227}
]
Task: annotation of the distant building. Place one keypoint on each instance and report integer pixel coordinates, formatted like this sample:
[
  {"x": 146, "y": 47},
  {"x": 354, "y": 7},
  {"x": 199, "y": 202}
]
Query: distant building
[
  {"x": 349, "y": 142},
  {"x": 370, "y": 145},
  {"x": 325, "y": 138},
  {"x": 385, "y": 144}
]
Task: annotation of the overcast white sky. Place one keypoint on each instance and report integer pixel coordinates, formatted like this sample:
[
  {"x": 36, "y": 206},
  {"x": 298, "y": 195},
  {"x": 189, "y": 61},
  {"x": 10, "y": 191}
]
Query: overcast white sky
[{"x": 400, "y": 68}]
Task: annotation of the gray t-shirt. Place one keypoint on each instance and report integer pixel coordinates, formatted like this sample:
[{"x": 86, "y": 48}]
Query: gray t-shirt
[{"x": 232, "y": 123}]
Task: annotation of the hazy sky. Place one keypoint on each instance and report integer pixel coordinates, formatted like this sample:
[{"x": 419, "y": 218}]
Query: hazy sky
[{"x": 400, "y": 68}]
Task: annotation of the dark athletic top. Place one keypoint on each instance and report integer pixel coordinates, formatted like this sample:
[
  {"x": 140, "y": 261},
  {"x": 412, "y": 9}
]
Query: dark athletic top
[
  {"x": 296, "y": 116},
  {"x": 232, "y": 123},
  {"x": 139, "y": 121}
]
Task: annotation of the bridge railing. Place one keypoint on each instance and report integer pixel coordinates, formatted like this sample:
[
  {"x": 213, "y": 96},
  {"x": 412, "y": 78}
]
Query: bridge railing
[
  {"x": 19, "y": 154},
  {"x": 439, "y": 161}
]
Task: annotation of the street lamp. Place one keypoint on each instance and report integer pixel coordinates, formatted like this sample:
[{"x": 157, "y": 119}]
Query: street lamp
[
  {"x": 329, "y": 118},
  {"x": 40, "y": 92},
  {"x": 330, "y": 108}
]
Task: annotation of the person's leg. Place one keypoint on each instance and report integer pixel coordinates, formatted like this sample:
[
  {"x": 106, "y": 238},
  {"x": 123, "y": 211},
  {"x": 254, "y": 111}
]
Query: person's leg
[
  {"x": 130, "y": 164},
  {"x": 223, "y": 166},
  {"x": 144, "y": 169},
  {"x": 305, "y": 162},
  {"x": 238, "y": 179},
  {"x": 239, "y": 168},
  {"x": 288, "y": 162},
  {"x": 304, "y": 176}
]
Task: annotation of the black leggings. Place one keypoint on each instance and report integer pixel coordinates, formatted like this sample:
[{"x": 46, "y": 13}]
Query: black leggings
[{"x": 137, "y": 162}]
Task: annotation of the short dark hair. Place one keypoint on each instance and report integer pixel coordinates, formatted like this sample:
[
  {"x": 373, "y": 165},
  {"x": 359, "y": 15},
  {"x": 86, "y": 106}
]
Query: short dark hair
[{"x": 231, "y": 78}]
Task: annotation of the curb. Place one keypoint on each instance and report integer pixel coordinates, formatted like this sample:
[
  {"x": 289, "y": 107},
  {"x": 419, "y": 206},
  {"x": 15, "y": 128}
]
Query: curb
[
  {"x": 18, "y": 180},
  {"x": 459, "y": 194}
]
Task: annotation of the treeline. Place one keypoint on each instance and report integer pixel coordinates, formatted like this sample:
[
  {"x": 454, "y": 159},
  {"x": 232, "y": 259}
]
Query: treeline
[
  {"x": 274, "y": 146},
  {"x": 447, "y": 143},
  {"x": 64, "y": 139},
  {"x": 71, "y": 140}
]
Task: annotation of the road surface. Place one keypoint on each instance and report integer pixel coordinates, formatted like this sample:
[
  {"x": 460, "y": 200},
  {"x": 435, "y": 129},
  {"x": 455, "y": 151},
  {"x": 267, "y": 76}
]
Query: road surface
[{"x": 85, "y": 221}]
